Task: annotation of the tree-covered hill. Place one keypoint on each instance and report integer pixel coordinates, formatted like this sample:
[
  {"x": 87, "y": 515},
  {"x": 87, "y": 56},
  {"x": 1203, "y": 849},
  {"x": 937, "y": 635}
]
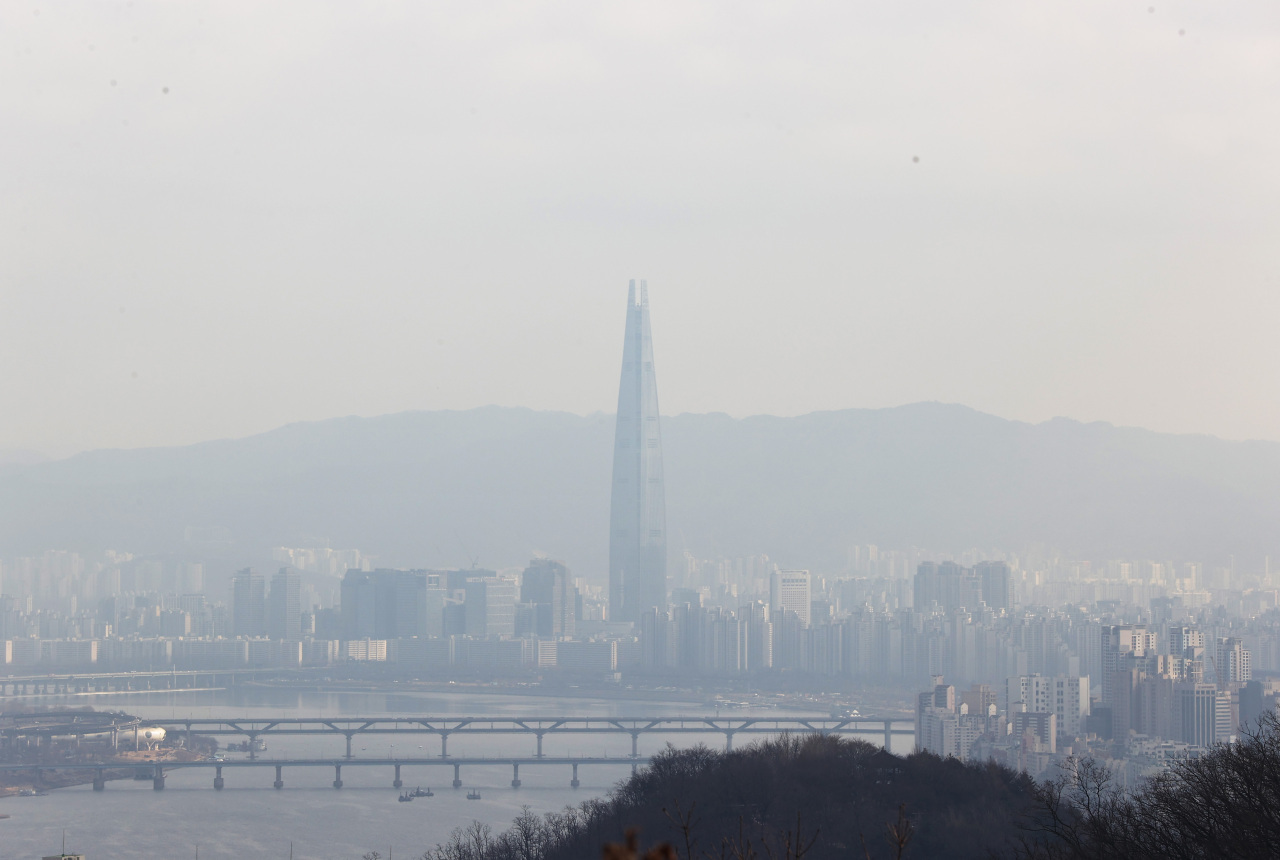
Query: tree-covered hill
[
  {"x": 810, "y": 796},
  {"x": 822, "y": 798}
]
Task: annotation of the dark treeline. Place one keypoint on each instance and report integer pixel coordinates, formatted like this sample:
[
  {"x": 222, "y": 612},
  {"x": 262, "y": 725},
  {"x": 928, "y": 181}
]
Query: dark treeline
[
  {"x": 819, "y": 797},
  {"x": 798, "y": 796},
  {"x": 1225, "y": 804}
]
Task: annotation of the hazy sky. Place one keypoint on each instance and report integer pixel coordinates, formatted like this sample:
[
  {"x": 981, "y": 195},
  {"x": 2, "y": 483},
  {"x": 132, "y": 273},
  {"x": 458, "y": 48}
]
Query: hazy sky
[{"x": 216, "y": 218}]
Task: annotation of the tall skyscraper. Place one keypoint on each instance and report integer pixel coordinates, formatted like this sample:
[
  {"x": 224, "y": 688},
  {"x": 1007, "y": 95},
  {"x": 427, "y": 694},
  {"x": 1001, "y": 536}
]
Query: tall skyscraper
[{"x": 638, "y": 507}]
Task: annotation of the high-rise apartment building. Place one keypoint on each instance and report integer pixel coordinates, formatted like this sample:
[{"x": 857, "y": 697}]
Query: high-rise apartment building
[
  {"x": 997, "y": 587},
  {"x": 949, "y": 586},
  {"x": 249, "y": 603},
  {"x": 1183, "y": 639},
  {"x": 284, "y": 605},
  {"x": 790, "y": 591},
  {"x": 1233, "y": 663},
  {"x": 1121, "y": 644},
  {"x": 1065, "y": 697},
  {"x": 637, "y": 510}
]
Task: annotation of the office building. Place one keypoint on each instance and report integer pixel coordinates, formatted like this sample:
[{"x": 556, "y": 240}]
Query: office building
[
  {"x": 1195, "y": 714},
  {"x": 790, "y": 591},
  {"x": 249, "y": 603},
  {"x": 284, "y": 606},
  {"x": 637, "y": 509},
  {"x": 548, "y": 589},
  {"x": 490, "y": 607}
]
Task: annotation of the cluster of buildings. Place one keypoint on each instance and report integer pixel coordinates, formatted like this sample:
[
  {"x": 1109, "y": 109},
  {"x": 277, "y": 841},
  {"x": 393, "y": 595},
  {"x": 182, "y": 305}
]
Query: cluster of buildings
[{"x": 1160, "y": 695}]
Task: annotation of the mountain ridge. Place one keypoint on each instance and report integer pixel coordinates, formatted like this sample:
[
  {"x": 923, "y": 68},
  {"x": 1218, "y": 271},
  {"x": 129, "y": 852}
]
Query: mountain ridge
[{"x": 431, "y": 488}]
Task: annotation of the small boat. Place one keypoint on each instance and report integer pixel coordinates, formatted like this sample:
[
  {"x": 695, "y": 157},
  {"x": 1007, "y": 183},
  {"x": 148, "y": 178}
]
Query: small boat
[
  {"x": 418, "y": 792},
  {"x": 473, "y": 795},
  {"x": 406, "y": 797},
  {"x": 32, "y": 792}
]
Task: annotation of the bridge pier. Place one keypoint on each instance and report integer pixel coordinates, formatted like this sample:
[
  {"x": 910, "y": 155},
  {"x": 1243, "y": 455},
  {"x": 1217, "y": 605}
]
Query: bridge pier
[
  {"x": 457, "y": 776},
  {"x": 515, "y": 775},
  {"x": 253, "y": 738},
  {"x": 397, "y": 783},
  {"x": 888, "y": 734},
  {"x": 573, "y": 783},
  {"x": 279, "y": 783},
  {"x": 444, "y": 745},
  {"x": 349, "y": 735},
  {"x": 100, "y": 781},
  {"x": 218, "y": 782},
  {"x": 728, "y": 741},
  {"x": 337, "y": 776},
  {"x": 633, "y": 768},
  {"x": 158, "y": 782},
  {"x": 635, "y": 744},
  {"x": 540, "y": 734}
]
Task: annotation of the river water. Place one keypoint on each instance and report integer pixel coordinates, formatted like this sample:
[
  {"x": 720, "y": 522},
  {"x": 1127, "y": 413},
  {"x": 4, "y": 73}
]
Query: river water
[{"x": 250, "y": 818}]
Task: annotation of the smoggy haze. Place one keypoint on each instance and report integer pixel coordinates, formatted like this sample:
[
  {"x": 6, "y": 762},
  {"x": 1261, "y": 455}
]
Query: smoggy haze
[{"x": 339, "y": 209}]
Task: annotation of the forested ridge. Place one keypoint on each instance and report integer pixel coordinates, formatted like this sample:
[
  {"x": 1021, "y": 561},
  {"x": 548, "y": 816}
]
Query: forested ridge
[
  {"x": 797, "y": 796},
  {"x": 822, "y": 798}
]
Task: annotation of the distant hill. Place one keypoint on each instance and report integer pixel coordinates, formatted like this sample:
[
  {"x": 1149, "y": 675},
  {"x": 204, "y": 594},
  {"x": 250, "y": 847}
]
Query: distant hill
[{"x": 495, "y": 484}]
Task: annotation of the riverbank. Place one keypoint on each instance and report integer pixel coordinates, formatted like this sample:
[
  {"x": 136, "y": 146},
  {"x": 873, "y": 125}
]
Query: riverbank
[{"x": 47, "y": 777}]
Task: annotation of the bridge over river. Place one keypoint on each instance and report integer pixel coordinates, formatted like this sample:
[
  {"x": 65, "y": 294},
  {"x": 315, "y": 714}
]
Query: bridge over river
[
  {"x": 156, "y": 771},
  {"x": 538, "y": 727}
]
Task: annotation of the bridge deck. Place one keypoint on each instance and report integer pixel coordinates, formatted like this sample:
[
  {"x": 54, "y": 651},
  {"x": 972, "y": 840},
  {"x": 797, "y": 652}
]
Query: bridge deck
[
  {"x": 537, "y": 725},
  {"x": 168, "y": 766}
]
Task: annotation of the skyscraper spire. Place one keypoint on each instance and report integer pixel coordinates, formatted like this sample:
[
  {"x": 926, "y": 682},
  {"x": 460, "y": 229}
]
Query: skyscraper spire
[{"x": 638, "y": 508}]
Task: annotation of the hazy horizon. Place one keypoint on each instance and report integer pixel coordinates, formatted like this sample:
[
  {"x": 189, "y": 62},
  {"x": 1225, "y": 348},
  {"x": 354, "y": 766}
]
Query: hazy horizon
[{"x": 229, "y": 218}]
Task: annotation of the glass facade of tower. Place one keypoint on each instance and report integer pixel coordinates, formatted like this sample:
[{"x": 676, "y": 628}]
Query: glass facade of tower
[{"x": 638, "y": 508}]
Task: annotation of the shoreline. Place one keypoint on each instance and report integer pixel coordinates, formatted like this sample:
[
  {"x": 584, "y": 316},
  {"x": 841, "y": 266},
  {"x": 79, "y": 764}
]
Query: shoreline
[{"x": 51, "y": 778}]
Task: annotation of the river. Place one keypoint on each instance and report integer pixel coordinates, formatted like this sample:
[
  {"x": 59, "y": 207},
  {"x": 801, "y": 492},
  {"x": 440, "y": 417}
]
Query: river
[{"x": 250, "y": 818}]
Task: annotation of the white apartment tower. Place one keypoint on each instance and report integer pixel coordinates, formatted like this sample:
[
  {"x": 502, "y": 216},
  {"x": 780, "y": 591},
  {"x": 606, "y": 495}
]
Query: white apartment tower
[{"x": 1065, "y": 697}]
